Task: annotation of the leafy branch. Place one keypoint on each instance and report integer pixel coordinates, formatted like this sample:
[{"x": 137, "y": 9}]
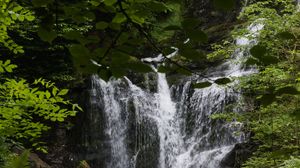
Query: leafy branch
[{"x": 151, "y": 40}]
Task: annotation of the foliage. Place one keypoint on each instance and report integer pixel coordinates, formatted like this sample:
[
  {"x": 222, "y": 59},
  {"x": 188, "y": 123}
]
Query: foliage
[
  {"x": 117, "y": 33},
  {"x": 221, "y": 51},
  {"x": 21, "y": 161},
  {"x": 10, "y": 14},
  {"x": 25, "y": 108},
  {"x": 5, "y": 154},
  {"x": 291, "y": 163},
  {"x": 274, "y": 120}
]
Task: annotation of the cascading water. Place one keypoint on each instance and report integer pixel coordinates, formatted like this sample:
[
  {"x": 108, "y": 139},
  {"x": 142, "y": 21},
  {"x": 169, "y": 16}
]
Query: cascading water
[
  {"x": 115, "y": 127},
  {"x": 170, "y": 127}
]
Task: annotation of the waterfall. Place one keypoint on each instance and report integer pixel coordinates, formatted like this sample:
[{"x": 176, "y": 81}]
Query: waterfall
[
  {"x": 170, "y": 126},
  {"x": 115, "y": 126}
]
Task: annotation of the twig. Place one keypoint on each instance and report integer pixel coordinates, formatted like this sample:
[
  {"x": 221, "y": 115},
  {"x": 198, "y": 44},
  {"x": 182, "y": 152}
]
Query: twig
[
  {"x": 152, "y": 42},
  {"x": 113, "y": 43}
]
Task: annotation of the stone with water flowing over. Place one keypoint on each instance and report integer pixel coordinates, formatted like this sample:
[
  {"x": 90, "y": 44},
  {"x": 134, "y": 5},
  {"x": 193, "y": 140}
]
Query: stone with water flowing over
[{"x": 168, "y": 128}]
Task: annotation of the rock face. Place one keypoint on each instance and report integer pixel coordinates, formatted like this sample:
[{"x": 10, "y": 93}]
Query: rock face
[
  {"x": 215, "y": 23},
  {"x": 205, "y": 11},
  {"x": 240, "y": 153},
  {"x": 58, "y": 150},
  {"x": 34, "y": 160}
]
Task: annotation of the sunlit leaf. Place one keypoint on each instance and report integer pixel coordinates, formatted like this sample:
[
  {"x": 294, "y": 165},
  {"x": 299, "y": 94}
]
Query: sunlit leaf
[
  {"x": 63, "y": 92},
  {"x": 202, "y": 85},
  {"x": 222, "y": 81}
]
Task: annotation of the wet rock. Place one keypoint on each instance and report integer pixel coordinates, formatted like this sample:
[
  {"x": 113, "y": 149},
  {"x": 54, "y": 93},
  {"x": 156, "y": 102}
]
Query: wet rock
[
  {"x": 34, "y": 160},
  {"x": 240, "y": 153}
]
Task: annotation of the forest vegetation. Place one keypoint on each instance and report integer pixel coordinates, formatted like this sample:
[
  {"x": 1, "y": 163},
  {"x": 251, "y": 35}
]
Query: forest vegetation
[{"x": 48, "y": 47}]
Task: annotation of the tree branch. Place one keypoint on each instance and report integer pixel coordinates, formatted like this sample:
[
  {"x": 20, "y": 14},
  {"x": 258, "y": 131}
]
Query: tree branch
[{"x": 153, "y": 43}]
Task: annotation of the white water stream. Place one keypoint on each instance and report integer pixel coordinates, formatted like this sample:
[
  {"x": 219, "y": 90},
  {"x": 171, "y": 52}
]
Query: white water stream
[{"x": 173, "y": 122}]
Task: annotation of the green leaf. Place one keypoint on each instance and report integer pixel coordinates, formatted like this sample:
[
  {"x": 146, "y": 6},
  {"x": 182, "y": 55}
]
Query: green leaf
[
  {"x": 157, "y": 6},
  {"x": 267, "y": 60},
  {"x": 63, "y": 92},
  {"x": 101, "y": 25},
  {"x": 183, "y": 71},
  {"x": 191, "y": 54},
  {"x": 17, "y": 8},
  {"x": 21, "y": 18},
  {"x": 105, "y": 74},
  {"x": 46, "y": 35},
  {"x": 60, "y": 119},
  {"x": 258, "y": 51},
  {"x": 79, "y": 51},
  {"x": 14, "y": 16},
  {"x": 224, "y": 5},
  {"x": 48, "y": 95},
  {"x": 286, "y": 35},
  {"x": 119, "y": 18},
  {"x": 6, "y": 63},
  {"x": 95, "y": 3},
  {"x": 202, "y": 85},
  {"x": 163, "y": 69},
  {"x": 251, "y": 61},
  {"x": 54, "y": 91},
  {"x": 9, "y": 68},
  {"x": 267, "y": 99},
  {"x": 72, "y": 35},
  {"x": 21, "y": 161},
  {"x": 287, "y": 90},
  {"x": 197, "y": 35},
  {"x": 296, "y": 113},
  {"x": 1, "y": 69},
  {"x": 137, "y": 19},
  {"x": 138, "y": 66},
  {"x": 222, "y": 81},
  {"x": 118, "y": 71},
  {"x": 109, "y": 2},
  {"x": 29, "y": 17},
  {"x": 115, "y": 26}
]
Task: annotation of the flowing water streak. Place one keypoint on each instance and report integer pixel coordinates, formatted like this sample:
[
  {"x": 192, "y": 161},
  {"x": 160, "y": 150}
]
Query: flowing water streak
[
  {"x": 171, "y": 142},
  {"x": 215, "y": 140},
  {"x": 115, "y": 128}
]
